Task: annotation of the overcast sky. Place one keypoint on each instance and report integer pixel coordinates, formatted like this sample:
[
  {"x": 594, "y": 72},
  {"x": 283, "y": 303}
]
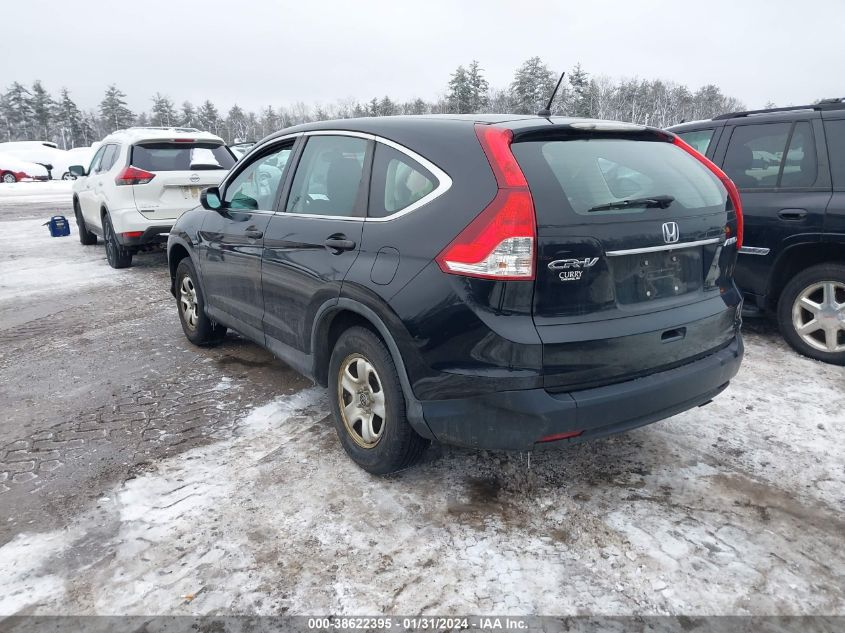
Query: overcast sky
[{"x": 259, "y": 52}]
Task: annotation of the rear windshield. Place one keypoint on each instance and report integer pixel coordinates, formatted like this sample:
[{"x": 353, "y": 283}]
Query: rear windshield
[
  {"x": 181, "y": 156},
  {"x": 592, "y": 173}
]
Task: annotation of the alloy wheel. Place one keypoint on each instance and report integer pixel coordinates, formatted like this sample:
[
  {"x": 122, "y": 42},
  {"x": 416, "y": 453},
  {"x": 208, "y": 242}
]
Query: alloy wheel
[
  {"x": 188, "y": 302},
  {"x": 818, "y": 316},
  {"x": 9, "y": 178},
  {"x": 361, "y": 399}
]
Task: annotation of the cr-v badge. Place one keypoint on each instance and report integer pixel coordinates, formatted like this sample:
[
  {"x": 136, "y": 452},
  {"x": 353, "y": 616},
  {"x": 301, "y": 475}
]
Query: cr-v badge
[{"x": 571, "y": 269}]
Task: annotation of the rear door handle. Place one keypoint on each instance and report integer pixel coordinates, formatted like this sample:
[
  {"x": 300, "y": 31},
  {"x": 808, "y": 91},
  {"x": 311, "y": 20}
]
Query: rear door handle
[
  {"x": 339, "y": 243},
  {"x": 792, "y": 214},
  {"x": 254, "y": 234}
]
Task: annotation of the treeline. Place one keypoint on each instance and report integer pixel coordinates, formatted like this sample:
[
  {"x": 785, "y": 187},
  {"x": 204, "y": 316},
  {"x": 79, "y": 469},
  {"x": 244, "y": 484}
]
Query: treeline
[{"x": 33, "y": 113}]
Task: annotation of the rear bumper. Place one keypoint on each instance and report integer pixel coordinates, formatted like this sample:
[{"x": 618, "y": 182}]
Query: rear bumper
[
  {"x": 516, "y": 420},
  {"x": 150, "y": 235}
]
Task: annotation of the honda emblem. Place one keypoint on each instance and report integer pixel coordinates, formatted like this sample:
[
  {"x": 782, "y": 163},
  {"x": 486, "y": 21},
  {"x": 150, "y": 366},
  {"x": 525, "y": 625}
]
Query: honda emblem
[{"x": 671, "y": 234}]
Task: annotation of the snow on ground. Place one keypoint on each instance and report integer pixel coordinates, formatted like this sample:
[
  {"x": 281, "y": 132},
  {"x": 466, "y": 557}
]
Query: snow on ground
[
  {"x": 53, "y": 190},
  {"x": 666, "y": 519},
  {"x": 35, "y": 262}
]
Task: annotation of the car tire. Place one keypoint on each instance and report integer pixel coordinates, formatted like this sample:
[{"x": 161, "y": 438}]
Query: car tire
[
  {"x": 9, "y": 177},
  {"x": 369, "y": 406},
  {"x": 86, "y": 237},
  {"x": 190, "y": 302},
  {"x": 116, "y": 254},
  {"x": 68, "y": 176},
  {"x": 811, "y": 313}
]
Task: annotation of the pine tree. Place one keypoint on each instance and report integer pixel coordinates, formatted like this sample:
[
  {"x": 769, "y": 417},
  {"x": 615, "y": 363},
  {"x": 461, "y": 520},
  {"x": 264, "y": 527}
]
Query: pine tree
[
  {"x": 236, "y": 125},
  {"x": 269, "y": 121},
  {"x": 386, "y": 107},
  {"x": 41, "y": 105},
  {"x": 115, "y": 114},
  {"x": 208, "y": 118},
  {"x": 163, "y": 113},
  {"x": 372, "y": 107},
  {"x": 532, "y": 86},
  {"x": 68, "y": 120},
  {"x": 17, "y": 112},
  {"x": 188, "y": 118},
  {"x": 459, "y": 95},
  {"x": 579, "y": 84},
  {"x": 479, "y": 99},
  {"x": 418, "y": 106},
  {"x": 142, "y": 120}
]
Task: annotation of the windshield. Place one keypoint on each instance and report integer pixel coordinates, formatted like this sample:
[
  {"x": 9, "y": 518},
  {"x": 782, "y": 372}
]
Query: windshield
[
  {"x": 181, "y": 156},
  {"x": 618, "y": 176}
]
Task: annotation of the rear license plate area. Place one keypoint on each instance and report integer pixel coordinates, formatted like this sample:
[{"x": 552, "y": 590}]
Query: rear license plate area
[{"x": 651, "y": 276}]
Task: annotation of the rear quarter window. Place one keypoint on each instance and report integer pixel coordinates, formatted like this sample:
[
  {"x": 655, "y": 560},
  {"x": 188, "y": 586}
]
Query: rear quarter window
[
  {"x": 587, "y": 173},
  {"x": 699, "y": 140},
  {"x": 181, "y": 156}
]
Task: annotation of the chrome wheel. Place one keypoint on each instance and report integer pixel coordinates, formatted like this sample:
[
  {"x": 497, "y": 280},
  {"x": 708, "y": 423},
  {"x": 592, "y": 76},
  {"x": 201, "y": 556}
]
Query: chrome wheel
[
  {"x": 361, "y": 400},
  {"x": 9, "y": 178},
  {"x": 818, "y": 316},
  {"x": 188, "y": 302}
]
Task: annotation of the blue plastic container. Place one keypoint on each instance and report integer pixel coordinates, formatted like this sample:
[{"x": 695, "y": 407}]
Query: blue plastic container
[{"x": 59, "y": 226}]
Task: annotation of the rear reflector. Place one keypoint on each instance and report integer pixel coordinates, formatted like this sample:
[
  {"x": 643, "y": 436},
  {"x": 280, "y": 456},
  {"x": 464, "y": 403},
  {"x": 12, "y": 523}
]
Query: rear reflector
[
  {"x": 499, "y": 242},
  {"x": 559, "y": 436},
  {"x": 733, "y": 192},
  {"x": 132, "y": 234},
  {"x": 133, "y": 176}
]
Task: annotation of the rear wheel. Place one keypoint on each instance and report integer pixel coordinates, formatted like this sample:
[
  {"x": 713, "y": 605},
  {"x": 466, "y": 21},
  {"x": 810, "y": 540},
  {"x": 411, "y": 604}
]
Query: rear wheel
[
  {"x": 117, "y": 255},
  {"x": 198, "y": 328},
  {"x": 9, "y": 177},
  {"x": 811, "y": 313},
  {"x": 369, "y": 406},
  {"x": 86, "y": 237}
]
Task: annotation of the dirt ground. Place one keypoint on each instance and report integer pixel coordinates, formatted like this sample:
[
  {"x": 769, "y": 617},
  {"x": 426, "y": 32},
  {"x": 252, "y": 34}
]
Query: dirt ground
[{"x": 139, "y": 474}]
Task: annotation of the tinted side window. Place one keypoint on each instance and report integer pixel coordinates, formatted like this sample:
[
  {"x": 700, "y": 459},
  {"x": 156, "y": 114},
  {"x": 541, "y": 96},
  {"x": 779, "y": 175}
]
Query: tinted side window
[
  {"x": 109, "y": 157},
  {"x": 835, "y": 133},
  {"x": 698, "y": 139},
  {"x": 398, "y": 182},
  {"x": 256, "y": 186},
  {"x": 755, "y": 153},
  {"x": 328, "y": 177},
  {"x": 799, "y": 163},
  {"x": 95, "y": 162}
]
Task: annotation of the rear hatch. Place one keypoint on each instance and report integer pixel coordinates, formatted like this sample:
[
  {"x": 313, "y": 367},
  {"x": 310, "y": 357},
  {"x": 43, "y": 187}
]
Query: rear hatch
[
  {"x": 632, "y": 268},
  {"x": 181, "y": 168}
]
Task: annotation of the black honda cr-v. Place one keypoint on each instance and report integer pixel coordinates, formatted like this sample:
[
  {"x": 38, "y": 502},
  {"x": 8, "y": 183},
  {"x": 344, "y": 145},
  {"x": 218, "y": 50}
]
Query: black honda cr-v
[{"x": 500, "y": 282}]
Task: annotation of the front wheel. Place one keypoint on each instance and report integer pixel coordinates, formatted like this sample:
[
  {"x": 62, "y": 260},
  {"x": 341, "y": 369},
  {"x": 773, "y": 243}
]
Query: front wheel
[
  {"x": 9, "y": 177},
  {"x": 68, "y": 176},
  {"x": 369, "y": 406},
  {"x": 198, "y": 328},
  {"x": 811, "y": 313},
  {"x": 116, "y": 254},
  {"x": 86, "y": 237}
]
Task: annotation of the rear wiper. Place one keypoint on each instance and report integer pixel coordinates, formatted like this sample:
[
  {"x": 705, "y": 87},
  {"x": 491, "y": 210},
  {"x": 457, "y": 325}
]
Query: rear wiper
[{"x": 652, "y": 201}]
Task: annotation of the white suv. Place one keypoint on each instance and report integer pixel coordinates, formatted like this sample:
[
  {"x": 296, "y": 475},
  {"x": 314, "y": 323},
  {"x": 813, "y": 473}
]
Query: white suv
[{"x": 140, "y": 181}]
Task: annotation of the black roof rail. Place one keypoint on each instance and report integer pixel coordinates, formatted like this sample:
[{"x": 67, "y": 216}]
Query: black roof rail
[{"x": 824, "y": 104}]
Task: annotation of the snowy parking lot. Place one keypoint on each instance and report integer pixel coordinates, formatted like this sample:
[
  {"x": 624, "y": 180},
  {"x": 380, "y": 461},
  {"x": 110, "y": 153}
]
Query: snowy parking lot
[{"x": 140, "y": 473}]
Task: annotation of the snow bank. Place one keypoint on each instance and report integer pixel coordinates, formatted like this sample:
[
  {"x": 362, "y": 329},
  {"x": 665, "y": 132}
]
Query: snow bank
[{"x": 35, "y": 192}]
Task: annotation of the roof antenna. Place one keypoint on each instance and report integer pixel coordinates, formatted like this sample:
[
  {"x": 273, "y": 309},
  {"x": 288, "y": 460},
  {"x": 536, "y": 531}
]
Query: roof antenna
[{"x": 547, "y": 111}]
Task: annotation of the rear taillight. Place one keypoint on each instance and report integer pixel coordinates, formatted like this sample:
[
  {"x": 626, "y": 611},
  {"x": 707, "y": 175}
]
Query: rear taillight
[
  {"x": 733, "y": 192},
  {"x": 133, "y": 176},
  {"x": 132, "y": 234},
  {"x": 499, "y": 243}
]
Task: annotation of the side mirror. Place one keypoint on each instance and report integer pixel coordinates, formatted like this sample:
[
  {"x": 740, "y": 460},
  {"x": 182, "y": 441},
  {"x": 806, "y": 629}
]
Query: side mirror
[
  {"x": 77, "y": 170},
  {"x": 210, "y": 199}
]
